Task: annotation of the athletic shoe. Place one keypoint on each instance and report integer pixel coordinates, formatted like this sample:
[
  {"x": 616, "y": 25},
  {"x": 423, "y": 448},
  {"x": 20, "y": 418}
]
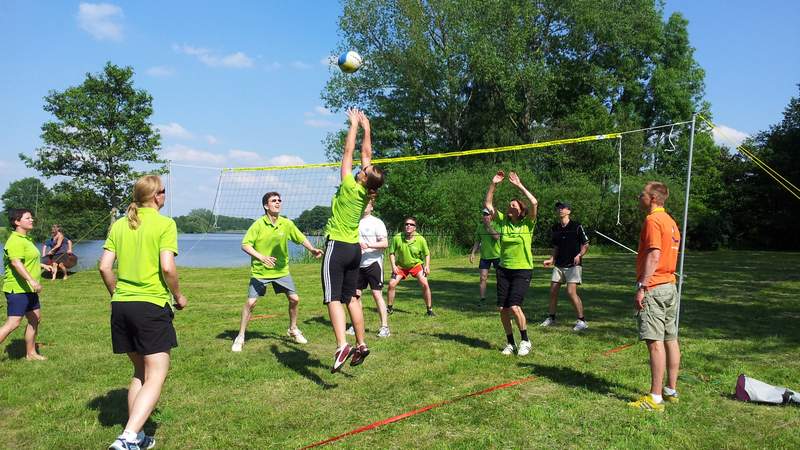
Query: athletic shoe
[
  {"x": 359, "y": 355},
  {"x": 672, "y": 398},
  {"x": 297, "y": 335},
  {"x": 524, "y": 348},
  {"x": 351, "y": 331},
  {"x": 237, "y": 344},
  {"x": 431, "y": 313},
  {"x": 389, "y": 310},
  {"x": 647, "y": 403},
  {"x": 549, "y": 322},
  {"x": 145, "y": 442},
  {"x": 122, "y": 444},
  {"x": 580, "y": 325},
  {"x": 508, "y": 350},
  {"x": 340, "y": 357},
  {"x": 384, "y": 332}
]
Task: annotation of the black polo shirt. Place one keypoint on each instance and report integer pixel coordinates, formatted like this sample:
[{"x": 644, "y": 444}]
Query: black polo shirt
[{"x": 568, "y": 239}]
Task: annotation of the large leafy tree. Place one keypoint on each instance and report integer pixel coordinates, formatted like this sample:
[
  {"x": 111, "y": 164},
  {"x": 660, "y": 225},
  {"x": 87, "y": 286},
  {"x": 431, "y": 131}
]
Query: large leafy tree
[
  {"x": 100, "y": 129},
  {"x": 447, "y": 75}
]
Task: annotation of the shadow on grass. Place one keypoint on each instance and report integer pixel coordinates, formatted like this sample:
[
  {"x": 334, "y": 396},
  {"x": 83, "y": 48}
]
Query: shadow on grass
[
  {"x": 112, "y": 410},
  {"x": 322, "y": 320},
  {"x": 230, "y": 335},
  {"x": 16, "y": 349},
  {"x": 301, "y": 362},
  {"x": 568, "y": 376},
  {"x": 465, "y": 340}
]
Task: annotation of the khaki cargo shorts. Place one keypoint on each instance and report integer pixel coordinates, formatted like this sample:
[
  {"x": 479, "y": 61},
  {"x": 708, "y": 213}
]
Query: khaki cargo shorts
[
  {"x": 563, "y": 275},
  {"x": 657, "y": 320}
]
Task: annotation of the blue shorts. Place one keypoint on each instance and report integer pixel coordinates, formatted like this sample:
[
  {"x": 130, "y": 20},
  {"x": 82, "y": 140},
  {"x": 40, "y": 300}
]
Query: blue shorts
[
  {"x": 21, "y": 303},
  {"x": 486, "y": 264}
]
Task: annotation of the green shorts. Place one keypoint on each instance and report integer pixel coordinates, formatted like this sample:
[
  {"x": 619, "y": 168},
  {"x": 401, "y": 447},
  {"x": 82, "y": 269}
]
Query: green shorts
[{"x": 657, "y": 320}]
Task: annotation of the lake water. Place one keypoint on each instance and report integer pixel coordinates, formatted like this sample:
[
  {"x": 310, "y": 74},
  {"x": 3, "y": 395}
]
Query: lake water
[{"x": 194, "y": 250}]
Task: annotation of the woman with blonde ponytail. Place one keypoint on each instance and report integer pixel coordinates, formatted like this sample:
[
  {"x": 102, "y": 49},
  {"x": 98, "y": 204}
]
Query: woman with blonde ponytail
[
  {"x": 144, "y": 244},
  {"x": 342, "y": 251}
]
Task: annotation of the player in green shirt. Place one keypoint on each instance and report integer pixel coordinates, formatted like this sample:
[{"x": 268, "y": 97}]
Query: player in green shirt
[
  {"x": 144, "y": 244},
  {"x": 409, "y": 255},
  {"x": 21, "y": 281},
  {"x": 514, "y": 230},
  {"x": 266, "y": 241},
  {"x": 490, "y": 251},
  {"x": 343, "y": 251}
]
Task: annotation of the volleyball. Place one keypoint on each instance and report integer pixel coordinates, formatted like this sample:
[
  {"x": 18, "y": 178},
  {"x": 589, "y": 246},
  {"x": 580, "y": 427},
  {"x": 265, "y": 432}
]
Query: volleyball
[{"x": 349, "y": 62}]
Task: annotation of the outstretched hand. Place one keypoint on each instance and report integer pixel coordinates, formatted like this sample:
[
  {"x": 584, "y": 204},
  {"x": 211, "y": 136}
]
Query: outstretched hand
[
  {"x": 354, "y": 115},
  {"x": 498, "y": 177},
  {"x": 363, "y": 119},
  {"x": 513, "y": 178}
]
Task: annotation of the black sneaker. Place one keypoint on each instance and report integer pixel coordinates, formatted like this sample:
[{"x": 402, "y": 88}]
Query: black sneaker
[
  {"x": 389, "y": 310},
  {"x": 359, "y": 355},
  {"x": 431, "y": 313}
]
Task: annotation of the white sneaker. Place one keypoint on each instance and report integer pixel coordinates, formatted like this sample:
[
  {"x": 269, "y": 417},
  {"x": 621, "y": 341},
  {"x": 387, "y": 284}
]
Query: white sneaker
[
  {"x": 549, "y": 322},
  {"x": 351, "y": 331},
  {"x": 297, "y": 335},
  {"x": 384, "y": 332},
  {"x": 580, "y": 325},
  {"x": 237, "y": 344},
  {"x": 508, "y": 350},
  {"x": 524, "y": 348}
]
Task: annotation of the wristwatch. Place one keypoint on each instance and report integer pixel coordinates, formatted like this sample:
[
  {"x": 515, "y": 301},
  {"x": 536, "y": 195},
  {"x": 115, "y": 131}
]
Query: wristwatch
[{"x": 639, "y": 286}]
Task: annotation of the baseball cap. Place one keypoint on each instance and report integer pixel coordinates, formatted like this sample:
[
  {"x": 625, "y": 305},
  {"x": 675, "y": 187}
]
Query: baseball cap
[{"x": 560, "y": 205}]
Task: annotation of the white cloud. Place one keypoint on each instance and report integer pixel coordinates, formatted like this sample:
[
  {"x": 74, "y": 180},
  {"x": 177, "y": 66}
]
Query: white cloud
[
  {"x": 729, "y": 137},
  {"x": 319, "y": 123},
  {"x": 159, "y": 71},
  {"x": 236, "y": 60},
  {"x": 211, "y": 139},
  {"x": 330, "y": 60},
  {"x": 99, "y": 20},
  {"x": 323, "y": 111},
  {"x": 285, "y": 160},
  {"x": 245, "y": 156},
  {"x": 299, "y": 65},
  {"x": 174, "y": 130},
  {"x": 180, "y": 152}
]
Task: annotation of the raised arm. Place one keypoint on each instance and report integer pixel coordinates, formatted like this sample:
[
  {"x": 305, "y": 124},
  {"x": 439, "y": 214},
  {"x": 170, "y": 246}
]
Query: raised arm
[
  {"x": 534, "y": 209},
  {"x": 488, "y": 202},
  {"x": 350, "y": 143},
  {"x": 366, "y": 143}
]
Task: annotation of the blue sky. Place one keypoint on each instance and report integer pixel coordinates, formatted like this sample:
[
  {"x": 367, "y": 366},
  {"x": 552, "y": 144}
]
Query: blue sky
[{"x": 238, "y": 83}]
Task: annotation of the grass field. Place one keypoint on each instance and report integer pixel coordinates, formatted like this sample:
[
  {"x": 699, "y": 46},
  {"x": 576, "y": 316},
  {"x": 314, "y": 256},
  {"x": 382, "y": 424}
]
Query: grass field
[{"x": 740, "y": 315}]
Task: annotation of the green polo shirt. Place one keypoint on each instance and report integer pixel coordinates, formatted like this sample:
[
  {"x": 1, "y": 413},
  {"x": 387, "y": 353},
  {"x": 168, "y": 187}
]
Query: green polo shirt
[
  {"x": 21, "y": 247},
  {"x": 138, "y": 252},
  {"x": 347, "y": 207},
  {"x": 490, "y": 247},
  {"x": 272, "y": 240},
  {"x": 409, "y": 253},
  {"x": 515, "y": 242}
]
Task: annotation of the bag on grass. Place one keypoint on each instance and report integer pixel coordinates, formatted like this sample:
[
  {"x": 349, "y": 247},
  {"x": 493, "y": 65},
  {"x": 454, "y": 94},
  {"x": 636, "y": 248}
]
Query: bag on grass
[{"x": 751, "y": 390}]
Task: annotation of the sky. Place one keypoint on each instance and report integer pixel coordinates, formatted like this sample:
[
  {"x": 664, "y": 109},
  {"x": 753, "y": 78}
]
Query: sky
[{"x": 238, "y": 83}]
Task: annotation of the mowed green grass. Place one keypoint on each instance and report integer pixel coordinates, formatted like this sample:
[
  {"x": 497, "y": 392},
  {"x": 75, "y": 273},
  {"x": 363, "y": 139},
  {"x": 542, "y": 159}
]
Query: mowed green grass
[{"x": 740, "y": 315}]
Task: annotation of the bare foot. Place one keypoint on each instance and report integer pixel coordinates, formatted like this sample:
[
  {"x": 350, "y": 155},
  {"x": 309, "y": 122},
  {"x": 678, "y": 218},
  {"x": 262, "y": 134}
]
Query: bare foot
[{"x": 36, "y": 357}]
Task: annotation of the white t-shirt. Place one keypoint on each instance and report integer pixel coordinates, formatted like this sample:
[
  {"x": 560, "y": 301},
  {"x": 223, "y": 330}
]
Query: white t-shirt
[{"x": 371, "y": 230}]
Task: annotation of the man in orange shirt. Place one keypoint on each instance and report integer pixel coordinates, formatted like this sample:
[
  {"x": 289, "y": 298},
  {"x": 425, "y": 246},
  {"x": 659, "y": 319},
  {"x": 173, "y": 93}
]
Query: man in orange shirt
[{"x": 656, "y": 296}]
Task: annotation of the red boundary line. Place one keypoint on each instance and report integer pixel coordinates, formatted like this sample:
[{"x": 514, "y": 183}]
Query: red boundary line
[
  {"x": 381, "y": 423},
  {"x": 418, "y": 411}
]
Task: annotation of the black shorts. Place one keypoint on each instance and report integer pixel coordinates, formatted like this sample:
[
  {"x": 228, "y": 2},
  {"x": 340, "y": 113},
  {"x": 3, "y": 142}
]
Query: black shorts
[
  {"x": 486, "y": 264},
  {"x": 142, "y": 327},
  {"x": 512, "y": 285},
  {"x": 340, "y": 271},
  {"x": 371, "y": 276}
]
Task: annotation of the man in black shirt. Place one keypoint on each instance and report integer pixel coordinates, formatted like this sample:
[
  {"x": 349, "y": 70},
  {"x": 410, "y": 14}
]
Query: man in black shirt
[{"x": 569, "y": 245}]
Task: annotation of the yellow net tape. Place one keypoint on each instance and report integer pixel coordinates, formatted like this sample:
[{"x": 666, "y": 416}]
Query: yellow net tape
[
  {"x": 780, "y": 179},
  {"x": 597, "y": 137}
]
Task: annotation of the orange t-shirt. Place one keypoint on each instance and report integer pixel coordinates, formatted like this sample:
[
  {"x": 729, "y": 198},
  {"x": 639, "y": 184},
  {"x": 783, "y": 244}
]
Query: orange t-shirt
[{"x": 661, "y": 232}]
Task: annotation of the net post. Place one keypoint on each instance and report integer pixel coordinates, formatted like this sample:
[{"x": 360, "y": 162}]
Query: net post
[
  {"x": 169, "y": 187},
  {"x": 216, "y": 198},
  {"x": 684, "y": 225}
]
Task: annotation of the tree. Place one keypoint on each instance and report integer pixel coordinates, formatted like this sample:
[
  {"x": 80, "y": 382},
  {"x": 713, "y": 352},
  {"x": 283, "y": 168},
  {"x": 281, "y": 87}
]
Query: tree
[
  {"x": 313, "y": 220},
  {"x": 29, "y": 193},
  {"x": 100, "y": 128}
]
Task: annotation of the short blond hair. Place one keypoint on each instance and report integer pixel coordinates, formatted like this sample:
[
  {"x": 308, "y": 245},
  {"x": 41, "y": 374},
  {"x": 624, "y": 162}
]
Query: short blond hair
[{"x": 658, "y": 190}]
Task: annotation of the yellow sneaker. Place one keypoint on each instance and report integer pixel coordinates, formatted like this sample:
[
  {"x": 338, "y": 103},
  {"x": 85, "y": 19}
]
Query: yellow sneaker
[
  {"x": 672, "y": 398},
  {"x": 646, "y": 402}
]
